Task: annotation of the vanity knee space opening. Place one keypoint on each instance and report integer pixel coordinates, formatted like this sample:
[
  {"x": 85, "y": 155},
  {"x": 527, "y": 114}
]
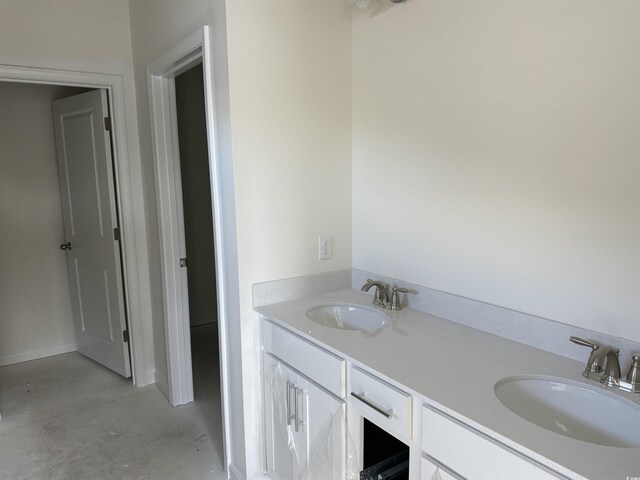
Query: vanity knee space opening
[{"x": 383, "y": 455}]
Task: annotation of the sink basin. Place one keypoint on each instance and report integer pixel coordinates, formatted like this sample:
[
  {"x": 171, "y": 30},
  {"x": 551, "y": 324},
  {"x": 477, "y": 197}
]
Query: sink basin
[
  {"x": 349, "y": 317},
  {"x": 572, "y": 409}
]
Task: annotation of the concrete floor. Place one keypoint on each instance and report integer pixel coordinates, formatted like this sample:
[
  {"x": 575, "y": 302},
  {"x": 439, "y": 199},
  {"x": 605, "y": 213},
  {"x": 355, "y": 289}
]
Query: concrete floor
[{"x": 67, "y": 418}]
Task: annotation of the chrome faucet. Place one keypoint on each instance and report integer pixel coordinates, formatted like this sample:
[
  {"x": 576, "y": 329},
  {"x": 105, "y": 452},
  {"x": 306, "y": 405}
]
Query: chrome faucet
[
  {"x": 602, "y": 357},
  {"x": 382, "y": 294},
  {"x": 611, "y": 376},
  {"x": 594, "y": 363}
]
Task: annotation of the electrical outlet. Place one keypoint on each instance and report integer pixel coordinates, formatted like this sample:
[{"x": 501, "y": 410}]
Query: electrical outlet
[{"x": 325, "y": 247}]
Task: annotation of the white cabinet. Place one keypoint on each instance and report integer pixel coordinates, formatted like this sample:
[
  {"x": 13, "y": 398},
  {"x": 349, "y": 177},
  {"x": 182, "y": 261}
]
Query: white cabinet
[
  {"x": 304, "y": 398},
  {"x": 281, "y": 442},
  {"x": 316, "y": 363},
  {"x": 322, "y": 433},
  {"x": 471, "y": 455},
  {"x": 382, "y": 403},
  {"x": 305, "y": 426},
  {"x": 305, "y": 423}
]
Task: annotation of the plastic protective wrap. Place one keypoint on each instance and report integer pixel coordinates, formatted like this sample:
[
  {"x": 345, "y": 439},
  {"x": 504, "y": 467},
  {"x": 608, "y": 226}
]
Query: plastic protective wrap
[
  {"x": 322, "y": 448},
  {"x": 352, "y": 468},
  {"x": 436, "y": 475},
  {"x": 322, "y": 461},
  {"x": 279, "y": 397}
]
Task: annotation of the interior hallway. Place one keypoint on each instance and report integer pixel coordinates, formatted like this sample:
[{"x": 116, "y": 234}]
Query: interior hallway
[{"x": 66, "y": 417}]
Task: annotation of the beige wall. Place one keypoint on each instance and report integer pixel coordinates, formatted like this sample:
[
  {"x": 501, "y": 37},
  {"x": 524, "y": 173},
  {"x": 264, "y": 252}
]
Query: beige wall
[
  {"x": 290, "y": 84},
  {"x": 35, "y": 304},
  {"x": 72, "y": 34},
  {"x": 290, "y": 77},
  {"x": 496, "y": 154}
]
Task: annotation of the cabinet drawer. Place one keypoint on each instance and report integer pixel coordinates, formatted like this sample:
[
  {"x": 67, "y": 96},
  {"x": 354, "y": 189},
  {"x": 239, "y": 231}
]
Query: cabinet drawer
[
  {"x": 471, "y": 455},
  {"x": 371, "y": 394},
  {"x": 318, "y": 364},
  {"x": 430, "y": 471}
]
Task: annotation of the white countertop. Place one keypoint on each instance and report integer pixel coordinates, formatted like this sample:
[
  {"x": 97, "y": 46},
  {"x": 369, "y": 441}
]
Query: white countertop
[{"x": 455, "y": 368}]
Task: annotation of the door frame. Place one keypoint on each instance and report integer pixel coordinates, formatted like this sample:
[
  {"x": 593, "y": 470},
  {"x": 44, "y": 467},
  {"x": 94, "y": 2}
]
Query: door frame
[
  {"x": 161, "y": 73},
  {"x": 130, "y": 202}
]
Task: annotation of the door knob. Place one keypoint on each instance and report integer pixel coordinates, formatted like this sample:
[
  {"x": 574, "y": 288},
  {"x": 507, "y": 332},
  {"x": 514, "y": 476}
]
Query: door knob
[{"x": 65, "y": 246}]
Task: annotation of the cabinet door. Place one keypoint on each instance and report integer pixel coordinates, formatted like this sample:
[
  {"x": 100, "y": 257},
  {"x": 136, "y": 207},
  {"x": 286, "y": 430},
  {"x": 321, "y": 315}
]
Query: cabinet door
[
  {"x": 323, "y": 432},
  {"x": 305, "y": 426},
  {"x": 281, "y": 451}
]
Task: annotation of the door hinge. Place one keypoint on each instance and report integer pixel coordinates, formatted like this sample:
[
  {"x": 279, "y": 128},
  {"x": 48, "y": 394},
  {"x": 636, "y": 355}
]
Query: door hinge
[
  {"x": 183, "y": 262},
  {"x": 125, "y": 336},
  {"x": 116, "y": 234},
  {"x": 107, "y": 124}
]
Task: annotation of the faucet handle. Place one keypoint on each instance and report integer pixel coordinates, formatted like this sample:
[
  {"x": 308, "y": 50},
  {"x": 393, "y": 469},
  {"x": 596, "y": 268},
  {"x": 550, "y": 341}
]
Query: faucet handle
[
  {"x": 584, "y": 343},
  {"x": 395, "y": 298},
  {"x": 593, "y": 366},
  {"x": 633, "y": 377}
]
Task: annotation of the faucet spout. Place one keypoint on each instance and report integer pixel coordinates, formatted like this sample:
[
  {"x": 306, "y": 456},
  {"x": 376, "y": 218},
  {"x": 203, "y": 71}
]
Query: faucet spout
[
  {"x": 608, "y": 357},
  {"x": 382, "y": 294}
]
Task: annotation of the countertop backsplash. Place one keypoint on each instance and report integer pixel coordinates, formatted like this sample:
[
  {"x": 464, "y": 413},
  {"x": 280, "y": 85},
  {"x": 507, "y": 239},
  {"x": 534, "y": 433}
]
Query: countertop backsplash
[{"x": 542, "y": 333}]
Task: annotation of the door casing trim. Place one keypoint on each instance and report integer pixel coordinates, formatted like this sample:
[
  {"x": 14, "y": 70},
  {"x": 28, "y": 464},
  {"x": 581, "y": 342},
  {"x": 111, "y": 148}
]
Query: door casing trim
[{"x": 161, "y": 73}]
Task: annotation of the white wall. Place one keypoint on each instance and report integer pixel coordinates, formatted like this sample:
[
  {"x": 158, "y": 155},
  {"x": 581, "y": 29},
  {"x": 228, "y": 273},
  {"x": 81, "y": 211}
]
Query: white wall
[
  {"x": 496, "y": 154},
  {"x": 35, "y": 304}
]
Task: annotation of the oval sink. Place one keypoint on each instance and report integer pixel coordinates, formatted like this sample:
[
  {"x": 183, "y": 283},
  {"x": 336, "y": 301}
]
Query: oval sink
[
  {"x": 572, "y": 410},
  {"x": 348, "y": 317}
]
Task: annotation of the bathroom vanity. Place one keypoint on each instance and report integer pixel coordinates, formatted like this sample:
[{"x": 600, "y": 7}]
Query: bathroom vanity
[{"x": 426, "y": 383}]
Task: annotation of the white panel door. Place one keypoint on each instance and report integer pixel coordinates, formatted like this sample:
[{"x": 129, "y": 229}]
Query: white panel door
[{"x": 90, "y": 217}]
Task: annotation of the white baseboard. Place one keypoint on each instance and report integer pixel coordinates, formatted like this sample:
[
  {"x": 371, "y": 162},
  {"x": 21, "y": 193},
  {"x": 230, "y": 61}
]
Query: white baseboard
[{"x": 36, "y": 354}]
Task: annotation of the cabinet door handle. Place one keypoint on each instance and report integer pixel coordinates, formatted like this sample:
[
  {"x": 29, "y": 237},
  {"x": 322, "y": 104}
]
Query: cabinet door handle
[
  {"x": 381, "y": 410},
  {"x": 289, "y": 385},
  {"x": 296, "y": 406}
]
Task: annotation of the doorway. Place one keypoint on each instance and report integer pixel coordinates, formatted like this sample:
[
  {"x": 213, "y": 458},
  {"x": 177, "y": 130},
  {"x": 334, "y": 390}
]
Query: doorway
[
  {"x": 193, "y": 51},
  {"x": 58, "y": 171},
  {"x": 128, "y": 175},
  {"x": 200, "y": 247},
  {"x": 40, "y": 348}
]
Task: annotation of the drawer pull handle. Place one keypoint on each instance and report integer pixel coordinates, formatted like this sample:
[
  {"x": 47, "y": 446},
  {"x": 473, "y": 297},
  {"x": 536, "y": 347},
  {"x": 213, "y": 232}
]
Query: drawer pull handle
[{"x": 372, "y": 404}]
